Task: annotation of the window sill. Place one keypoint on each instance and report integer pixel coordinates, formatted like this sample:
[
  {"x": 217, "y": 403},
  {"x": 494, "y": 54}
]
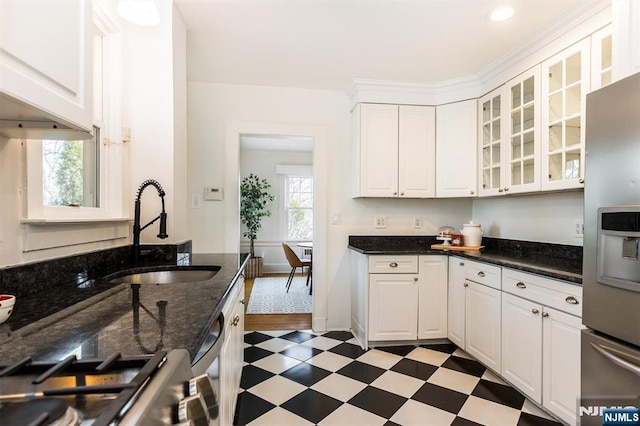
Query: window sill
[
  {"x": 41, "y": 234},
  {"x": 72, "y": 221}
]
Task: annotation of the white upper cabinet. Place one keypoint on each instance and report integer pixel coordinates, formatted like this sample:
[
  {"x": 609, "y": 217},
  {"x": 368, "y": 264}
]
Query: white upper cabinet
[
  {"x": 565, "y": 83},
  {"x": 394, "y": 151},
  {"x": 601, "y": 58},
  {"x": 456, "y": 149},
  {"x": 522, "y": 154},
  {"x": 509, "y": 142},
  {"x": 491, "y": 146},
  {"x": 417, "y": 152},
  {"x": 45, "y": 57}
]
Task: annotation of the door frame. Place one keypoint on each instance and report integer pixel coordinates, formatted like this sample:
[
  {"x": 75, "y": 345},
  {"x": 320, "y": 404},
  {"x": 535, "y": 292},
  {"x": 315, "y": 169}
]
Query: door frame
[{"x": 234, "y": 129}]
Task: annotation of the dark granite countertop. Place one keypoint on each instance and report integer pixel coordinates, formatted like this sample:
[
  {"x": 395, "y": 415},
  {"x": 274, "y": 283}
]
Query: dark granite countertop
[
  {"x": 94, "y": 318},
  {"x": 557, "y": 261}
]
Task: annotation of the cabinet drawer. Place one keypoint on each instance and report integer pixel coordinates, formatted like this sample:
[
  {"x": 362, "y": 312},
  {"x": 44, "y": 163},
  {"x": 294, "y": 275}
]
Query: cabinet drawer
[
  {"x": 556, "y": 294},
  {"x": 483, "y": 273},
  {"x": 393, "y": 264}
]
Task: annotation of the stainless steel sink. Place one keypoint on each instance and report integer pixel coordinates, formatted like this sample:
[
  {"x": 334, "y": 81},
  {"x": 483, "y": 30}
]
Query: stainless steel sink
[{"x": 173, "y": 276}]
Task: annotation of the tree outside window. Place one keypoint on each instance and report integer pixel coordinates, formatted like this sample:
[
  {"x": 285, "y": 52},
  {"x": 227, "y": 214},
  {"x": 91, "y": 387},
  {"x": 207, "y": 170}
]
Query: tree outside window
[
  {"x": 299, "y": 207},
  {"x": 70, "y": 172}
]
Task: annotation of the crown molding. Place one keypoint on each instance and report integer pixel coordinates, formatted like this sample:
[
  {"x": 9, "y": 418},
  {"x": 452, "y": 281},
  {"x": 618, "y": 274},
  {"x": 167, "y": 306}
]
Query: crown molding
[{"x": 573, "y": 26}]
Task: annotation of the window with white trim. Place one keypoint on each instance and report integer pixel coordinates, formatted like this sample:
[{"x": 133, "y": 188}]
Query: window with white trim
[{"x": 299, "y": 207}]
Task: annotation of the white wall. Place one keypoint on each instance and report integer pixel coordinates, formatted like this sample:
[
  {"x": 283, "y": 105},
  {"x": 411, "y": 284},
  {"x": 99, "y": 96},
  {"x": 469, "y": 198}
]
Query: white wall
[
  {"x": 549, "y": 218},
  {"x": 214, "y": 108}
]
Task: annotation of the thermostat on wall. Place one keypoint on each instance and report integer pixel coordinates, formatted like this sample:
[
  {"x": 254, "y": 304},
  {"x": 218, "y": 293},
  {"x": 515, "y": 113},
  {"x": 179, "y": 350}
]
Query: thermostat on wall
[{"x": 212, "y": 194}]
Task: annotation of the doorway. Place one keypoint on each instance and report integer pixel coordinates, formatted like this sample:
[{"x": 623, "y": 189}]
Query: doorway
[{"x": 286, "y": 163}]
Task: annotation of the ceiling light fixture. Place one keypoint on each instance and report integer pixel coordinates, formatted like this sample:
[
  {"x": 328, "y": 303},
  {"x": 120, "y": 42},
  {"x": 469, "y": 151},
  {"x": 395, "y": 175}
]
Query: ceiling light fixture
[
  {"x": 139, "y": 12},
  {"x": 500, "y": 14}
]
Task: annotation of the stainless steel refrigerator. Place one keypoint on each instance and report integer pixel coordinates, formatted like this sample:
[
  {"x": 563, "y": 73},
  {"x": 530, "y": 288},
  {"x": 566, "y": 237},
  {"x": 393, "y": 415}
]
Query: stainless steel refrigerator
[{"x": 611, "y": 266}]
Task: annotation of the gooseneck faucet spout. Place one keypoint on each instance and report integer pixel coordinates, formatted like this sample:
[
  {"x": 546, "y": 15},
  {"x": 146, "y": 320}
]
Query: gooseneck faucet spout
[{"x": 162, "y": 234}]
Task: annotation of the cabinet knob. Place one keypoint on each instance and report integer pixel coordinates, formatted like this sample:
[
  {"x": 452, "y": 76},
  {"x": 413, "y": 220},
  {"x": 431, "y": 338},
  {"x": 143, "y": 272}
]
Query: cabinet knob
[
  {"x": 235, "y": 320},
  {"x": 500, "y": 190},
  {"x": 481, "y": 274},
  {"x": 581, "y": 180},
  {"x": 461, "y": 263},
  {"x": 472, "y": 192},
  {"x": 545, "y": 314},
  {"x": 415, "y": 279},
  {"x": 572, "y": 300},
  {"x": 242, "y": 302},
  {"x": 520, "y": 284},
  {"x": 506, "y": 189},
  {"x": 465, "y": 285},
  {"x": 395, "y": 193},
  {"x": 535, "y": 311},
  {"x": 393, "y": 265},
  {"x": 402, "y": 193}
]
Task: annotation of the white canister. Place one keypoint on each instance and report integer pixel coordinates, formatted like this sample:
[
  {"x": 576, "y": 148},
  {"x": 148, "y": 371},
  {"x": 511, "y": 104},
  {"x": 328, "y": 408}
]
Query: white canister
[{"x": 471, "y": 234}]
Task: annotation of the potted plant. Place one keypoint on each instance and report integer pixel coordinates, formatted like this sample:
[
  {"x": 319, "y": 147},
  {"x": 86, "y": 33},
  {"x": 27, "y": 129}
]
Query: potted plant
[{"x": 254, "y": 200}]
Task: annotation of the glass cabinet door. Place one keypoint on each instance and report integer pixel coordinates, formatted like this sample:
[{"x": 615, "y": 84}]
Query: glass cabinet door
[
  {"x": 601, "y": 58},
  {"x": 566, "y": 85},
  {"x": 524, "y": 112},
  {"x": 490, "y": 119}
]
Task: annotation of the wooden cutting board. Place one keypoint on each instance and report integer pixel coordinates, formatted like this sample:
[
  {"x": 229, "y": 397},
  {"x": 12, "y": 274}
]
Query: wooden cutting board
[{"x": 455, "y": 248}]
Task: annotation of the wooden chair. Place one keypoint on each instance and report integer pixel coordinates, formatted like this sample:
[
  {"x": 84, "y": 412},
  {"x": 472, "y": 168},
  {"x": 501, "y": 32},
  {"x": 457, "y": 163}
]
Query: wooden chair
[{"x": 295, "y": 262}]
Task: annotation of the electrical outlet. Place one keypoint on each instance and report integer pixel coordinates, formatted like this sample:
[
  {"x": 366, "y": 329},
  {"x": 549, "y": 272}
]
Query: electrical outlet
[
  {"x": 417, "y": 222},
  {"x": 380, "y": 222},
  {"x": 578, "y": 230}
]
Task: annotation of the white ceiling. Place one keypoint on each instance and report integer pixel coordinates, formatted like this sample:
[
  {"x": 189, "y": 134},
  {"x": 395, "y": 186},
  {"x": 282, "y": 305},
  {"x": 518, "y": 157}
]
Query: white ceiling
[{"x": 325, "y": 44}]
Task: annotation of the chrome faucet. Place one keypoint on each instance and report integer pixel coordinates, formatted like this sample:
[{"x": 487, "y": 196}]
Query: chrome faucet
[{"x": 162, "y": 234}]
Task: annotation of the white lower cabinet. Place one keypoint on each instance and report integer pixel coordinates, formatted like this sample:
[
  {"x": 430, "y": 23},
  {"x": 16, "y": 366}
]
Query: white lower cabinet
[
  {"x": 232, "y": 352},
  {"x": 482, "y": 323},
  {"x": 474, "y": 309},
  {"x": 541, "y": 344},
  {"x": 522, "y": 345},
  {"x": 561, "y": 363},
  {"x": 393, "y": 306},
  {"x": 407, "y": 299},
  {"x": 456, "y": 302}
]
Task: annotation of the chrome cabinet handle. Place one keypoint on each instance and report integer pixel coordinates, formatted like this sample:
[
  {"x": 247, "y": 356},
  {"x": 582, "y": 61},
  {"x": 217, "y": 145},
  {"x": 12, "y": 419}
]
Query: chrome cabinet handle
[
  {"x": 481, "y": 274},
  {"x": 535, "y": 311},
  {"x": 520, "y": 284},
  {"x": 605, "y": 351},
  {"x": 545, "y": 314},
  {"x": 572, "y": 300},
  {"x": 235, "y": 320},
  {"x": 393, "y": 265}
]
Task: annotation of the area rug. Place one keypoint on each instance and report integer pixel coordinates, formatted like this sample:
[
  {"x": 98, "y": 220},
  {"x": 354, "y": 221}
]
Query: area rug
[{"x": 269, "y": 296}]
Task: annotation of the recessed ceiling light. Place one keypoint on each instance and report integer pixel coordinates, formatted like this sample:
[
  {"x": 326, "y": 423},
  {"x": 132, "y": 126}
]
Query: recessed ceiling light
[
  {"x": 139, "y": 12},
  {"x": 500, "y": 14}
]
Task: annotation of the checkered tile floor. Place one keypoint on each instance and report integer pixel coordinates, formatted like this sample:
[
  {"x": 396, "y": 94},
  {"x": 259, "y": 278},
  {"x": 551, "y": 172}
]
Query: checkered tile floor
[{"x": 303, "y": 378}]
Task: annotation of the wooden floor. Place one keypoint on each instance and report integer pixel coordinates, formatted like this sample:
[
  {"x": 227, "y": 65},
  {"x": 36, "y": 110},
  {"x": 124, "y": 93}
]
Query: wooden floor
[{"x": 257, "y": 322}]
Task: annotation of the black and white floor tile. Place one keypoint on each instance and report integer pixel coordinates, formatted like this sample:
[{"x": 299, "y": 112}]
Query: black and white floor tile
[{"x": 303, "y": 378}]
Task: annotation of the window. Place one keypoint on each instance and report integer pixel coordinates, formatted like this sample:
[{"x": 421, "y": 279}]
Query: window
[
  {"x": 71, "y": 172},
  {"x": 299, "y": 207}
]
